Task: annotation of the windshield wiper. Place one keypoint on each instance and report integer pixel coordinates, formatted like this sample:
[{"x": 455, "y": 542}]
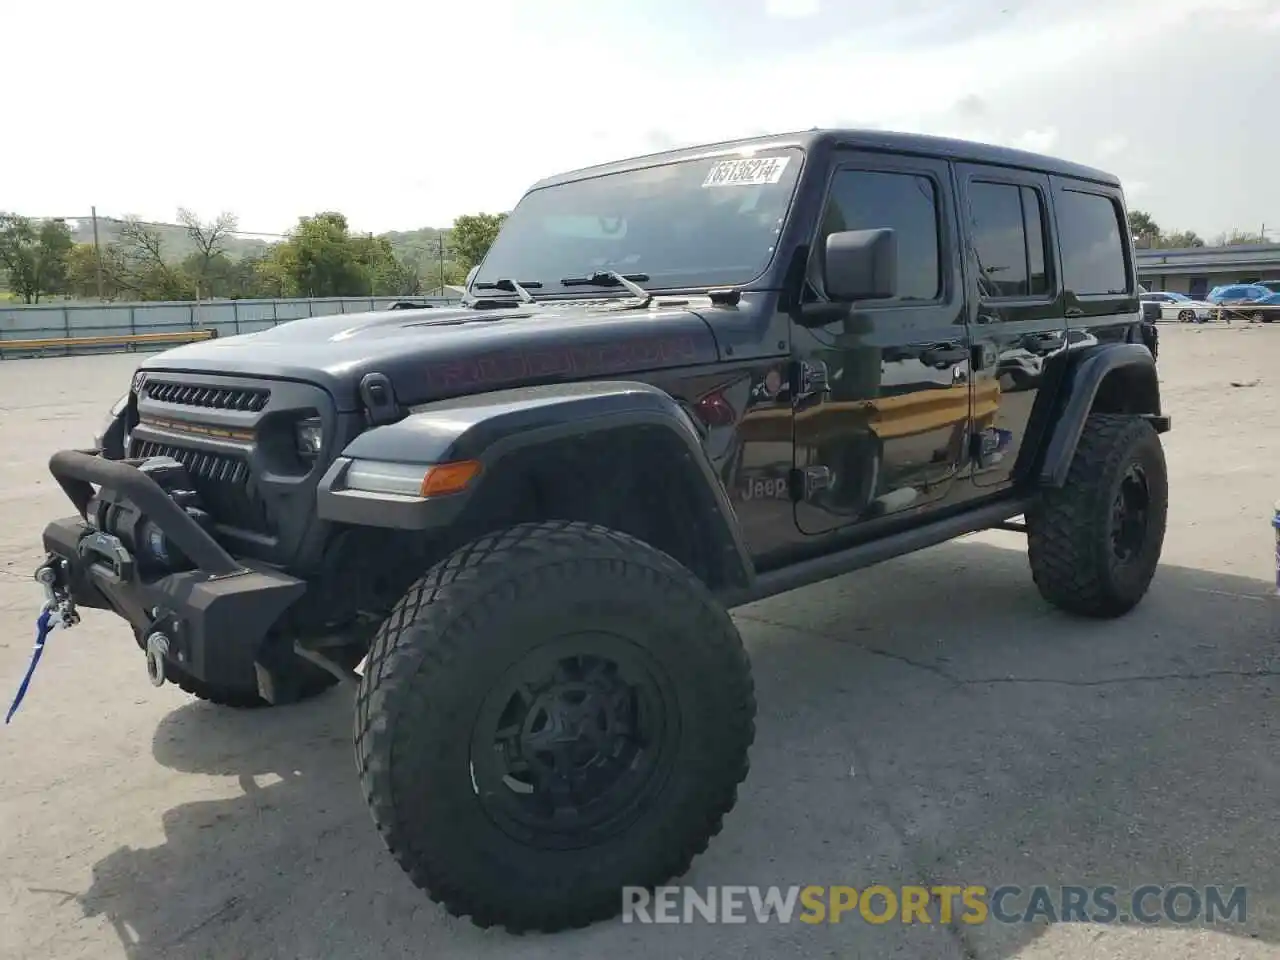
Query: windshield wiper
[
  {"x": 612, "y": 278},
  {"x": 515, "y": 286}
]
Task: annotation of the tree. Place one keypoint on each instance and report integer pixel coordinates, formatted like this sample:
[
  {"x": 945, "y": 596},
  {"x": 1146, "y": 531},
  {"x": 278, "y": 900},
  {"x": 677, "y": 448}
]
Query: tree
[
  {"x": 1142, "y": 226},
  {"x": 395, "y": 277},
  {"x": 1181, "y": 239},
  {"x": 472, "y": 235},
  {"x": 137, "y": 265},
  {"x": 228, "y": 277},
  {"x": 321, "y": 259},
  {"x": 388, "y": 275},
  {"x": 82, "y": 274},
  {"x": 1237, "y": 238},
  {"x": 210, "y": 240},
  {"x": 426, "y": 252},
  {"x": 34, "y": 255},
  {"x": 436, "y": 278}
]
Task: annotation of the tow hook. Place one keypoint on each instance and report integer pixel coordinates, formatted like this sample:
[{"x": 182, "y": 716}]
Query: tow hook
[
  {"x": 157, "y": 649},
  {"x": 56, "y": 598}
]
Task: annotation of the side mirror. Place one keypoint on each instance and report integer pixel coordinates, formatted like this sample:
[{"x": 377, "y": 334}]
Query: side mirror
[{"x": 861, "y": 265}]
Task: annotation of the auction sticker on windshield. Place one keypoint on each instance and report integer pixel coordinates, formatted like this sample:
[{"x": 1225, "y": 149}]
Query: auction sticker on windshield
[{"x": 749, "y": 172}]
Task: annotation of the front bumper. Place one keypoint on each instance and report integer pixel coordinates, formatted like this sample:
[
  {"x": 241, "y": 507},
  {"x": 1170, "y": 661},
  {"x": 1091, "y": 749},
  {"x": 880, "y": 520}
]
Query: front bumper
[{"x": 216, "y": 617}]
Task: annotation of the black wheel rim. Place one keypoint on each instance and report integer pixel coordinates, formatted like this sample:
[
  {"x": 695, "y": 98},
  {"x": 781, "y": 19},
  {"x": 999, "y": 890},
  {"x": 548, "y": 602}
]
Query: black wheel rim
[
  {"x": 1130, "y": 515},
  {"x": 570, "y": 746}
]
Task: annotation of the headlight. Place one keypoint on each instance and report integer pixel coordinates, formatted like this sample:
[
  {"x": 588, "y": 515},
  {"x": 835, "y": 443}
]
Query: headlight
[{"x": 310, "y": 437}]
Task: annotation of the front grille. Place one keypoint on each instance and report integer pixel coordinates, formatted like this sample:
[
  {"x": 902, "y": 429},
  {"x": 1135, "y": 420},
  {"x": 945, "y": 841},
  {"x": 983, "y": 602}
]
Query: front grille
[
  {"x": 211, "y": 398},
  {"x": 223, "y": 482}
]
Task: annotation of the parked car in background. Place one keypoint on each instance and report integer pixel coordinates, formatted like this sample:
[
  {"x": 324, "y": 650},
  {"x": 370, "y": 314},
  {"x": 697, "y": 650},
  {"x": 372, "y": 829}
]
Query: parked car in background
[
  {"x": 1244, "y": 300},
  {"x": 1177, "y": 306},
  {"x": 1266, "y": 310},
  {"x": 1234, "y": 293}
]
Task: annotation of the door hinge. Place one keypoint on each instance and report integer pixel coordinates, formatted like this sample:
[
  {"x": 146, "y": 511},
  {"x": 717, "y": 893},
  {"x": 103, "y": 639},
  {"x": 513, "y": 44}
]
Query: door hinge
[{"x": 809, "y": 378}]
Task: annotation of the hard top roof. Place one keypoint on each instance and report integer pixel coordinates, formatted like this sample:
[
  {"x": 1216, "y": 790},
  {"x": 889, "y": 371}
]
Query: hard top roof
[{"x": 911, "y": 143}]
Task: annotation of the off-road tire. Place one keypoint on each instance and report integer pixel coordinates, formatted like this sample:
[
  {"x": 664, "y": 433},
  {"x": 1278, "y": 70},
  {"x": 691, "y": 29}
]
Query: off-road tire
[
  {"x": 467, "y": 623},
  {"x": 312, "y": 681},
  {"x": 238, "y": 698},
  {"x": 1070, "y": 529}
]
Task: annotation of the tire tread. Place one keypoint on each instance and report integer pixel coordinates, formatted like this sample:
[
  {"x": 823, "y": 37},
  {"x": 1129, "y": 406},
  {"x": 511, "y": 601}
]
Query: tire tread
[
  {"x": 1065, "y": 525},
  {"x": 448, "y": 605}
]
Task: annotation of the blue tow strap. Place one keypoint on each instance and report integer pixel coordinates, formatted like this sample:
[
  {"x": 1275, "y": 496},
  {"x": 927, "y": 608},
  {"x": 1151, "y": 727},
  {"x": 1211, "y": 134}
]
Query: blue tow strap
[{"x": 44, "y": 626}]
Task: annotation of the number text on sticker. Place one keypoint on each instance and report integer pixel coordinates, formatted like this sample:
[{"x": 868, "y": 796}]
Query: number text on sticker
[{"x": 751, "y": 172}]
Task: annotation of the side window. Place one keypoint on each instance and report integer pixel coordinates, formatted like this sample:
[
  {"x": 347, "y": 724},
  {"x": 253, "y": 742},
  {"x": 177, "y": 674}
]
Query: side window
[
  {"x": 1007, "y": 229},
  {"x": 1089, "y": 233},
  {"x": 907, "y": 204}
]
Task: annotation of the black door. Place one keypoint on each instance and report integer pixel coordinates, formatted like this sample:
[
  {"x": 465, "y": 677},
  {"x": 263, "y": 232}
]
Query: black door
[
  {"x": 1018, "y": 321},
  {"x": 889, "y": 434}
]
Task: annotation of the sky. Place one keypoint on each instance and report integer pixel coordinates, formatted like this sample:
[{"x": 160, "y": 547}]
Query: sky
[{"x": 405, "y": 114}]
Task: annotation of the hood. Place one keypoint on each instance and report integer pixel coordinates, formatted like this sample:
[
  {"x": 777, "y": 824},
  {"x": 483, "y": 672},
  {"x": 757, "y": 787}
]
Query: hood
[{"x": 431, "y": 354}]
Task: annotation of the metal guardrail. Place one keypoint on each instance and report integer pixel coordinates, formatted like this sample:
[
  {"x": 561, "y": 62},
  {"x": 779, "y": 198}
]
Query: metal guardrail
[
  {"x": 92, "y": 327},
  {"x": 123, "y": 340}
]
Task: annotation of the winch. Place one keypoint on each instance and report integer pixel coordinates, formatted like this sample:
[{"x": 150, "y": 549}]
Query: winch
[{"x": 152, "y": 551}]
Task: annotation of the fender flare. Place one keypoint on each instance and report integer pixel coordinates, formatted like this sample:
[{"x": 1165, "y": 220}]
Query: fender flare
[
  {"x": 491, "y": 427},
  {"x": 1089, "y": 369}
]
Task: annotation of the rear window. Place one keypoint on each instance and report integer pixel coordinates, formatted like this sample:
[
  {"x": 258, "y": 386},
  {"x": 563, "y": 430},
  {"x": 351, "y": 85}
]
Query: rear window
[{"x": 1091, "y": 237}]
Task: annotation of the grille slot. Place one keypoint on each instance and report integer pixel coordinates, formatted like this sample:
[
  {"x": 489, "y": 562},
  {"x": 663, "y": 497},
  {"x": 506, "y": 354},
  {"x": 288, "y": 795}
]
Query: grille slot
[
  {"x": 211, "y": 398},
  {"x": 223, "y": 482}
]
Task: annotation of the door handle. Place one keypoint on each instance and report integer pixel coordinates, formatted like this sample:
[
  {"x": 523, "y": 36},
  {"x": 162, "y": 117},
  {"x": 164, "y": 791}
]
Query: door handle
[
  {"x": 943, "y": 355},
  {"x": 1044, "y": 342}
]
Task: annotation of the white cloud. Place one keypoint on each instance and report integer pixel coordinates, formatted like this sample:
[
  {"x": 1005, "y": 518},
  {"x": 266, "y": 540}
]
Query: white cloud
[
  {"x": 1037, "y": 141},
  {"x": 792, "y": 9},
  {"x": 1111, "y": 146},
  {"x": 311, "y": 113}
]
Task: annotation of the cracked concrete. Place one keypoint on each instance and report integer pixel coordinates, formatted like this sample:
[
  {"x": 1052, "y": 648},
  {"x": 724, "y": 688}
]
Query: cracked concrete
[
  {"x": 927, "y": 721},
  {"x": 945, "y": 674}
]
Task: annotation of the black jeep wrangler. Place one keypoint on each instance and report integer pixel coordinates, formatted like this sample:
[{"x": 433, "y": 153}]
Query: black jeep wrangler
[{"x": 680, "y": 383}]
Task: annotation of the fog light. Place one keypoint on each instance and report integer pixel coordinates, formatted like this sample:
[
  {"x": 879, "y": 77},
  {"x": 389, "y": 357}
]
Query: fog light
[{"x": 310, "y": 437}]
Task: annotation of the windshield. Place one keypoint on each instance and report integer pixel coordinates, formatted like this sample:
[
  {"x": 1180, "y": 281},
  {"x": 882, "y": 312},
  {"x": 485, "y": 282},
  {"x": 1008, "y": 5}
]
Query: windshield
[{"x": 712, "y": 222}]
